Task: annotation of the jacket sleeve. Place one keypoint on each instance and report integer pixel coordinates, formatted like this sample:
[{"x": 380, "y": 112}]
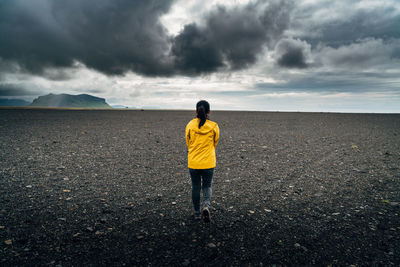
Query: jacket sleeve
[
  {"x": 187, "y": 134},
  {"x": 216, "y": 135}
]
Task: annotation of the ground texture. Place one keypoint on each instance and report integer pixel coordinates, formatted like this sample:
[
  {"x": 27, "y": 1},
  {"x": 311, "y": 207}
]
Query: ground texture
[{"x": 112, "y": 188}]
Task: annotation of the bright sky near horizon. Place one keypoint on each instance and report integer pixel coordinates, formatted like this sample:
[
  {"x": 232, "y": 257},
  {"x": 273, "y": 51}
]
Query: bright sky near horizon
[{"x": 275, "y": 55}]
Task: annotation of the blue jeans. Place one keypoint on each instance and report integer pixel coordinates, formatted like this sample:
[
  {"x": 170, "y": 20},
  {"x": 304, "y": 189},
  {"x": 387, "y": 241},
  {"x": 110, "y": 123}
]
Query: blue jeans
[{"x": 197, "y": 176}]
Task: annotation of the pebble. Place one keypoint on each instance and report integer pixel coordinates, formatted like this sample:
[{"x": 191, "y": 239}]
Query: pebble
[
  {"x": 211, "y": 245},
  {"x": 29, "y": 186},
  {"x": 173, "y": 203}
]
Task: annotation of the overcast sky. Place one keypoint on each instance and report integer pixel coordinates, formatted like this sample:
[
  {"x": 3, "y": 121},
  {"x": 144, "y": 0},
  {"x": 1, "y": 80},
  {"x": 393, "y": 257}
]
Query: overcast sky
[{"x": 303, "y": 55}]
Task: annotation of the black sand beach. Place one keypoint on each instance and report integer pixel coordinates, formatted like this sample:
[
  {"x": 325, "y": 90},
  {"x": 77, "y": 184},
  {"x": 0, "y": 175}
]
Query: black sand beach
[{"x": 103, "y": 188}]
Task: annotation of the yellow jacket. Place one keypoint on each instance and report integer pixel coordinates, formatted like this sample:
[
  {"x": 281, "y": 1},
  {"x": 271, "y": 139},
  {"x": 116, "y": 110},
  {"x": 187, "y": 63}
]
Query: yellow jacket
[{"x": 201, "y": 144}]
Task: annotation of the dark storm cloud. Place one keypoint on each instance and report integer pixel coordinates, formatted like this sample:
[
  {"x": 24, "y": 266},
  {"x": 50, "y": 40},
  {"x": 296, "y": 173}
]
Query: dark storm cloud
[
  {"x": 292, "y": 53},
  {"x": 115, "y": 36},
  {"x": 111, "y": 36},
  {"x": 230, "y": 38},
  {"x": 15, "y": 90}
]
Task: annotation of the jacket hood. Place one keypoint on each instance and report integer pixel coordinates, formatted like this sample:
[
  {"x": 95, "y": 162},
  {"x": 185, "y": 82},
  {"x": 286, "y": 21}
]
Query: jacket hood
[{"x": 207, "y": 127}]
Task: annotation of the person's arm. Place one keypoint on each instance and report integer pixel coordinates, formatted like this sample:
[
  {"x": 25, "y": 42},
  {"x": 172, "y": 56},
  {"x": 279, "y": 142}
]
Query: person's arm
[
  {"x": 216, "y": 135},
  {"x": 187, "y": 134}
]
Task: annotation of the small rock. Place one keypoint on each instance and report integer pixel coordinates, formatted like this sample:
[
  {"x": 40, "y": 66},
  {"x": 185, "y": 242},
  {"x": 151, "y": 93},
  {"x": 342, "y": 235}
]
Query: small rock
[
  {"x": 211, "y": 245},
  {"x": 8, "y": 242},
  {"x": 251, "y": 211},
  {"x": 267, "y": 210},
  {"x": 29, "y": 186},
  {"x": 2, "y": 227},
  {"x": 335, "y": 213},
  {"x": 139, "y": 237},
  {"x": 297, "y": 245},
  {"x": 62, "y": 219},
  {"x": 90, "y": 229},
  {"x": 173, "y": 203}
]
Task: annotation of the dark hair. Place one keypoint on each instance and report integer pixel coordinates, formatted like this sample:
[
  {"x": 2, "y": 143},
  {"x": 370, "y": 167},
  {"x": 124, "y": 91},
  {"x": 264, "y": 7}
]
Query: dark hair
[{"x": 202, "y": 109}]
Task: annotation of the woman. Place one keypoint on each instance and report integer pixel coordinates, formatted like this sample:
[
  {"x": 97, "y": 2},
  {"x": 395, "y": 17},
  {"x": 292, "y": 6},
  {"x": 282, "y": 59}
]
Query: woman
[{"x": 202, "y": 137}]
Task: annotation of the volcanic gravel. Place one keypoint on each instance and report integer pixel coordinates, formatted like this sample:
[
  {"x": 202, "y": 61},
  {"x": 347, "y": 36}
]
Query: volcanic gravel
[{"x": 96, "y": 187}]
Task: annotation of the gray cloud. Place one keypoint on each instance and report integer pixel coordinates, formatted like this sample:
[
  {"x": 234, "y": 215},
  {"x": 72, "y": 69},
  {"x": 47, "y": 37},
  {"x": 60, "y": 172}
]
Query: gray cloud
[
  {"x": 230, "y": 38},
  {"x": 365, "y": 54},
  {"x": 334, "y": 82},
  {"x": 111, "y": 36},
  {"x": 344, "y": 22},
  {"x": 115, "y": 36},
  {"x": 15, "y": 90},
  {"x": 292, "y": 53}
]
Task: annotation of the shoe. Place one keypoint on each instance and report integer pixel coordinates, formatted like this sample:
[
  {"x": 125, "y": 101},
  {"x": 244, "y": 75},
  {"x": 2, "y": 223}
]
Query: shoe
[{"x": 206, "y": 215}]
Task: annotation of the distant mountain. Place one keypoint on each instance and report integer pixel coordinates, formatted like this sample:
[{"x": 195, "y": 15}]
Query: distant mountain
[
  {"x": 70, "y": 101},
  {"x": 13, "y": 102}
]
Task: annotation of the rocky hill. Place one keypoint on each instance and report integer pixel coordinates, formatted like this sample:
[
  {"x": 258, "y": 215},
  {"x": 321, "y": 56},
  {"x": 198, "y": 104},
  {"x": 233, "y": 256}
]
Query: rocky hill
[{"x": 70, "y": 101}]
